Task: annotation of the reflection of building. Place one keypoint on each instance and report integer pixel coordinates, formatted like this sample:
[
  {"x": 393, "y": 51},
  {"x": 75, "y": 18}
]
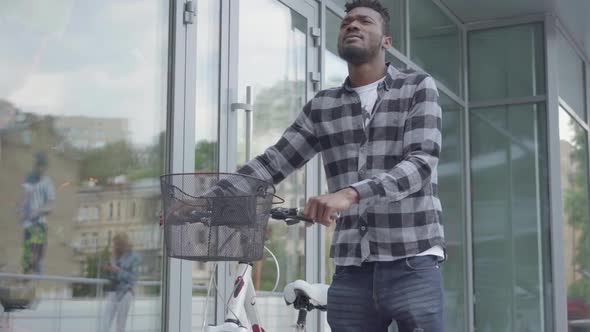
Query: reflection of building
[
  {"x": 86, "y": 133},
  {"x": 131, "y": 208}
]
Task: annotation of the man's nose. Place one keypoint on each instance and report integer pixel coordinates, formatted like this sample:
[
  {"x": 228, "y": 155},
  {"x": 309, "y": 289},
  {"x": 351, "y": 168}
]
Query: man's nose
[{"x": 352, "y": 27}]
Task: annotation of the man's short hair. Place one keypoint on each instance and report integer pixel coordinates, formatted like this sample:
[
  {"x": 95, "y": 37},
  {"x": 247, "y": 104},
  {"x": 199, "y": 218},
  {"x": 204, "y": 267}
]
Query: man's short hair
[{"x": 376, "y": 6}]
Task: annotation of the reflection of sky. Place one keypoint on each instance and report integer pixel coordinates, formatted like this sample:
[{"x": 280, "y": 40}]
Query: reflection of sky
[
  {"x": 102, "y": 59},
  {"x": 336, "y": 70},
  {"x": 567, "y": 131},
  {"x": 266, "y": 56},
  {"x": 207, "y": 70}
]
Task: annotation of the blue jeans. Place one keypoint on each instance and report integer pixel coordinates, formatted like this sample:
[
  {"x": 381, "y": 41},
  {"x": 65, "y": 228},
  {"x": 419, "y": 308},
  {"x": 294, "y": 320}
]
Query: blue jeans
[{"x": 369, "y": 297}]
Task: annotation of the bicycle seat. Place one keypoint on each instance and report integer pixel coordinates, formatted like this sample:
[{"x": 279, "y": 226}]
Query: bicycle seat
[{"x": 317, "y": 293}]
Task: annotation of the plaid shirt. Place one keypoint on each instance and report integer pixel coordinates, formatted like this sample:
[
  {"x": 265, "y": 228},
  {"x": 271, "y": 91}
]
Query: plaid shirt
[{"x": 391, "y": 162}]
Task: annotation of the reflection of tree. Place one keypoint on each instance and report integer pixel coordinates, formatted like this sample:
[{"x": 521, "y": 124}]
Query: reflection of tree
[
  {"x": 576, "y": 212},
  {"x": 151, "y": 161},
  {"x": 93, "y": 269},
  {"x": 206, "y": 155},
  {"x": 122, "y": 158},
  {"x": 111, "y": 160},
  {"x": 284, "y": 245},
  {"x": 276, "y": 108}
]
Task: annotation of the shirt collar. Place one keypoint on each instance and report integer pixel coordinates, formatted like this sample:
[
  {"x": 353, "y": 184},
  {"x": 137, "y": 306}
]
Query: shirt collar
[{"x": 388, "y": 82}]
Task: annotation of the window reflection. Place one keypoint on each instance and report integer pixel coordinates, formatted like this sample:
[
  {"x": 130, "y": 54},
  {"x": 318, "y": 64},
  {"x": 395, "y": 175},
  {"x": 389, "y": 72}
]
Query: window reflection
[
  {"x": 450, "y": 179},
  {"x": 431, "y": 29},
  {"x": 506, "y": 62},
  {"x": 279, "y": 95},
  {"x": 82, "y": 120},
  {"x": 510, "y": 216},
  {"x": 574, "y": 183},
  {"x": 570, "y": 75},
  {"x": 206, "y": 134},
  {"x": 336, "y": 68}
]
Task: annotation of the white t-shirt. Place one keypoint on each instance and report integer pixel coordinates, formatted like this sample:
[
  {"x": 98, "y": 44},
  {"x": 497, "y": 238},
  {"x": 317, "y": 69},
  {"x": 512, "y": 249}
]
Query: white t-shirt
[
  {"x": 368, "y": 96},
  {"x": 435, "y": 251}
]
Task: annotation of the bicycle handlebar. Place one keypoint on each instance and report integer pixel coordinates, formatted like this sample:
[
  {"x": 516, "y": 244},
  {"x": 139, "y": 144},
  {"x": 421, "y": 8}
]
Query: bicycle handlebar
[{"x": 291, "y": 216}]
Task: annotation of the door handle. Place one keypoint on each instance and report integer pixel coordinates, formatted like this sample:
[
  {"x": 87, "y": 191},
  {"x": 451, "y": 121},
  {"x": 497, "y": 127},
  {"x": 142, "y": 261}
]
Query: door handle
[{"x": 247, "y": 107}]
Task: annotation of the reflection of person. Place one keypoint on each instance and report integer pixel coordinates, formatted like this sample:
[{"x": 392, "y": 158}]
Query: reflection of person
[
  {"x": 37, "y": 202},
  {"x": 380, "y": 139},
  {"x": 122, "y": 273}
]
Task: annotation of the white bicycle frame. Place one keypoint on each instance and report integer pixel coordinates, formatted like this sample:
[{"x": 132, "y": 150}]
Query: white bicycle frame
[
  {"x": 242, "y": 301},
  {"x": 242, "y": 306}
]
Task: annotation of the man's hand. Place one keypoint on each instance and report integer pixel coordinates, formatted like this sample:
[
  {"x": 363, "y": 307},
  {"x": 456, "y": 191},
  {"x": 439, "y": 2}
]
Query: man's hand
[{"x": 322, "y": 209}]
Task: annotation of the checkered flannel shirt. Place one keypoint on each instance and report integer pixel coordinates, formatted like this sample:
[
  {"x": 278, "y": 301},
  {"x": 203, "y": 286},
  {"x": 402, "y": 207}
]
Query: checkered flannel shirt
[{"x": 391, "y": 162}]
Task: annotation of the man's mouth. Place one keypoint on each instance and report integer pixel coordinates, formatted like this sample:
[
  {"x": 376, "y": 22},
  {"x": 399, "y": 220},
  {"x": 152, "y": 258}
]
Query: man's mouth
[{"x": 353, "y": 37}]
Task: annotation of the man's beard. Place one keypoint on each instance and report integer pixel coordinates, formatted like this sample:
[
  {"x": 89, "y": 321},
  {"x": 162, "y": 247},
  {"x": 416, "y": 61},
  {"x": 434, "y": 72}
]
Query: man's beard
[{"x": 357, "y": 55}]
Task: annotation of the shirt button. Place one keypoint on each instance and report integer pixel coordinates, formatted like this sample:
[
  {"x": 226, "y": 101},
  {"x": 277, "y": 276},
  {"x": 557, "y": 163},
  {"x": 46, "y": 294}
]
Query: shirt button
[{"x": 363, "y": 228}]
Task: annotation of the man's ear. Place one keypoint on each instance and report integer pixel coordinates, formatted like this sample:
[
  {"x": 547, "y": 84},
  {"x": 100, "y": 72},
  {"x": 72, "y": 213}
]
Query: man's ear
[{"x": 386, "y": 42}]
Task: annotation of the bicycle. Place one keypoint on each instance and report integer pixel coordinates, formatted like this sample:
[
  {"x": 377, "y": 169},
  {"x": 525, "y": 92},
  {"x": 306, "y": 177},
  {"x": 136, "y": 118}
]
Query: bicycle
[{"x": 222, "y": 217}]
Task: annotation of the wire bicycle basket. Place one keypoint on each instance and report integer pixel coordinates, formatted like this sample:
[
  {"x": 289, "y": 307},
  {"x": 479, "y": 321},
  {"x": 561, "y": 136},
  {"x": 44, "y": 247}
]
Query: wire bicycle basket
[{"x": 215, "y": 216}]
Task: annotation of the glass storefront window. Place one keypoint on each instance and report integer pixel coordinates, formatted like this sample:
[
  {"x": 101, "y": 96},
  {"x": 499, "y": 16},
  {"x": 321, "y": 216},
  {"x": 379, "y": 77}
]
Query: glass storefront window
[
  {"x": 587, "y": 81},
  {"x": 431, "y": 29},
  {"x": 335, "y": 74},
  {"x": 279, "y": 95},
  {"x": 451, "y": 193},
  {"x": 206, "y": 136},
  {"x": 510, "y": 216},
  {"x": 571, "y": 77},
  {"x": 397, "y": 63},
  {"x": 506, "y": 62},
  {"x": 336, "y": 68},
  {"x": 574, "y": 183},
  {"x": 82, "y": 139}
]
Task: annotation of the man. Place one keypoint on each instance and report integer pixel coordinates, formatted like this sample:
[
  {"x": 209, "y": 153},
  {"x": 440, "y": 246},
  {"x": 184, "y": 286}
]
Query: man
[
  {"x": 37, "y": 202},
  {"x": 380, "y": 139},
  {"x": 122, "y": 273}
]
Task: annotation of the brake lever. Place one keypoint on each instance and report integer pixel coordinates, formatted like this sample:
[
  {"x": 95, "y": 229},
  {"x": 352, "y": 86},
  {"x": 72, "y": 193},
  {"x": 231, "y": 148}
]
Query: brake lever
[
  {"x": 291, "y": 221},
  {"x": 290, "y": 216}
]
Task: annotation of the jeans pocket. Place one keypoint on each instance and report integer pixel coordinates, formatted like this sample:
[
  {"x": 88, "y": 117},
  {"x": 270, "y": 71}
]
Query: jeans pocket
[{"x": 422, "y": 263}]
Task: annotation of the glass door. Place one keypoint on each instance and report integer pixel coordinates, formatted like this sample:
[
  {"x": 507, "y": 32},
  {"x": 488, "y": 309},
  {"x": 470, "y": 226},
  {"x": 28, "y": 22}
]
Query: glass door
[{"x": 271, "y": 56}]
